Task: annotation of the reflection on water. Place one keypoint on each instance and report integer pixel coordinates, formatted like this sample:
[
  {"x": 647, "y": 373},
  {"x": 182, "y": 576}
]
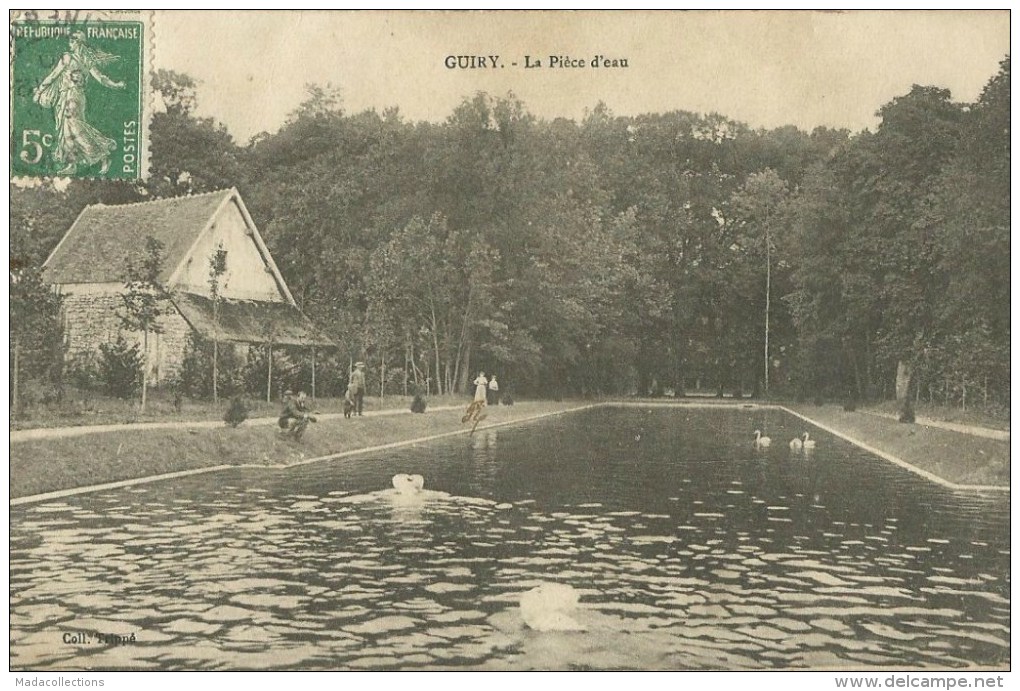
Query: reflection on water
[{"x": 689, "y": 549}]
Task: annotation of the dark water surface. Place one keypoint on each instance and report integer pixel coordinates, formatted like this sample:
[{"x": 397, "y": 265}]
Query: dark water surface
[{"x": 689, "y": 549}]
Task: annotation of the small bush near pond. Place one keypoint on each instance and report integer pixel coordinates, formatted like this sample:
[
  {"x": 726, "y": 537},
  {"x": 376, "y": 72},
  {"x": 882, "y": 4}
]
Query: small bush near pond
[
  {"x": 120, "y": 368},
  {"x": 236, "y": 413},
  {"x": 418, "y": 404}
]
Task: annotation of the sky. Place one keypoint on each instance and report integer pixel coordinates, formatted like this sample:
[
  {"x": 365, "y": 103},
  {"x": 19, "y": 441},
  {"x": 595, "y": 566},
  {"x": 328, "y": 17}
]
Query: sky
[{"x": 766, "y": 68}]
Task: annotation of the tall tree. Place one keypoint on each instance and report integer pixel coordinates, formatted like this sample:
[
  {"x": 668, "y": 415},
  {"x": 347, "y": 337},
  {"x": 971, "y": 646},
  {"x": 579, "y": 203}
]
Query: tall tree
[
  {"x": 188, "y": 154},
  {"x": 757, "y": 206},
  {"x": 35, "y": 328},
  {"x": 145, "y": 300},
  {"x": 217, "y": 268}
]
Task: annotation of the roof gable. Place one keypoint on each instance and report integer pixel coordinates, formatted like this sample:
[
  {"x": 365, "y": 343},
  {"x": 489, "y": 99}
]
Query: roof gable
[{"x": 101, "y": 241}]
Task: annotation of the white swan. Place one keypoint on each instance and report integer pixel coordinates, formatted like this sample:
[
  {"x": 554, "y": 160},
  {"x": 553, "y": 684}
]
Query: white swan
[
  {"x": 408, "y": 484},
  {"x": 796, "y": 444},
  {"x": 761, "y": 442},
  {"x": 809, "y": 444},
  {"x": 548, "y": 608}
]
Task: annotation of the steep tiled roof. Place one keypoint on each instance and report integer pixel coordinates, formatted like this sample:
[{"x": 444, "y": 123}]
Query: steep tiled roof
[
  {"x": 97, "y": 247},
  {"x": 248, "y": 321}
]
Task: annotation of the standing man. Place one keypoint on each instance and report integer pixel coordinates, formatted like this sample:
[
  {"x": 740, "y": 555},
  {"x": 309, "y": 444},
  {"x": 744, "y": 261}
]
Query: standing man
[{"x": 357, "y": 386}]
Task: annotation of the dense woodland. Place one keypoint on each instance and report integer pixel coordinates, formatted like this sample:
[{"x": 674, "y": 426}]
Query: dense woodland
[{"x": 615, "y": 255}]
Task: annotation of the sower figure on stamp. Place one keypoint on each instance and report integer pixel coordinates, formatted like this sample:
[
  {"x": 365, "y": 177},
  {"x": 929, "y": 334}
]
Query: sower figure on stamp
[
  {"x": 77, "y": 143},
  {"x": 357, "y": 386}
]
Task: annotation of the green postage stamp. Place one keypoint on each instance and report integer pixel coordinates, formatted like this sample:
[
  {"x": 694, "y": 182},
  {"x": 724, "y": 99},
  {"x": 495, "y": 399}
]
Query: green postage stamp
[{"x": 80, "y": 94}]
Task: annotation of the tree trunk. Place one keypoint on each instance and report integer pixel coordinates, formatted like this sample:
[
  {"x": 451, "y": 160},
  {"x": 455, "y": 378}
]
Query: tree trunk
[
  {"x": 215, "y": 370},
  {"x": 465, "y": 368},
  {"x": 867, "y": 367},
  {"x": 906, "y": 380},
  {"x": 269, "y": 376},
  {"x": 903, "y": 372},
  {"x": 435, "y": 344},
  {"x": 464, "y": 345},
  {"x": 145, "y": 366},
  {"x": 313, "y": 374},
  {"x": 768, "y": 297},
  {"x": 857, "y": 372},
  {"x": 15, "y": 383},
  {"x": 382, "y": 379}
]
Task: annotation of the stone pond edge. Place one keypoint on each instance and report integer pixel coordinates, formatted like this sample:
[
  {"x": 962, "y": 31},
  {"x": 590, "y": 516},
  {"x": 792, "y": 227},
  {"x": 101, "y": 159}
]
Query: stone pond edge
[{"x": 59, "y": 494}]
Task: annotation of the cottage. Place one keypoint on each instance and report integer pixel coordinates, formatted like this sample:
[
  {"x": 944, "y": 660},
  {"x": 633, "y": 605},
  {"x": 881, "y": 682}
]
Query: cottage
[{"x": 255, "y": 306}]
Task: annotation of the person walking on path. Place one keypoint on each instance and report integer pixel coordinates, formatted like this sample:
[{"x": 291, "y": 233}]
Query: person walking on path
[
  {"x": 357, "y": 386},
  {"x": 481, "y": 388},
  {"x": 493, "y": 391}
]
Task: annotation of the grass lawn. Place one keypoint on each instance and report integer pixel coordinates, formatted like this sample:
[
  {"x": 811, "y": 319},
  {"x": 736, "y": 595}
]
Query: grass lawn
[
  {"x": 51, "y": 464},
  {"x": 997, "y": 418},
  {"x": 960, "y": 458}
]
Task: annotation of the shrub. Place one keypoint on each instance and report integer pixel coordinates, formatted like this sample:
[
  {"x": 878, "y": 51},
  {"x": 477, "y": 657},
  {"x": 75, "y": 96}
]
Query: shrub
[
  {"x": 36, "y": 392},
  {"x": 83, "y": 373},
  {"x": 286, "y": 373},
  {"x": 236, "y": 413},
  {"x": 418, "y": 404},
  {"x": 196, "y": 369},
  {"x": 120, "y": 368},
  {"x": 330, "y": 372},
  {"x": 173, "y": 387}
]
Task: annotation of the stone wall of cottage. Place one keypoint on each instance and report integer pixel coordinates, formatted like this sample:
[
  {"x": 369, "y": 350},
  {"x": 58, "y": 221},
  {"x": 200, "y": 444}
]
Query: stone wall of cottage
[
  {"x": 92, "y": 317},
  {"x": 170, "y": 346}
]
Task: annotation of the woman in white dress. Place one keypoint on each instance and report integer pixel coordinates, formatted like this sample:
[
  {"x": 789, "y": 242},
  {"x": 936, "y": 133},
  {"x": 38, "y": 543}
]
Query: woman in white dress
[{"x": 481, "y": 387}]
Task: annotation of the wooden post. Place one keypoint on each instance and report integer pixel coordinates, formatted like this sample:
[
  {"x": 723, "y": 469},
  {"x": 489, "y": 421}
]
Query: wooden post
[
  {"x": 313, "y": 374},
  {"x": 145, "y": 367}
]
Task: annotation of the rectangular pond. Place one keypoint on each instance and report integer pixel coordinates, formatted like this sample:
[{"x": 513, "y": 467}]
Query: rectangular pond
[{"x": 687, "y": 549}]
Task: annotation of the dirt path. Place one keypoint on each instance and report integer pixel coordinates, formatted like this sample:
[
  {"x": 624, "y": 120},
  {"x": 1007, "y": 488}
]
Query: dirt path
[{"x": 62, "y": 432}]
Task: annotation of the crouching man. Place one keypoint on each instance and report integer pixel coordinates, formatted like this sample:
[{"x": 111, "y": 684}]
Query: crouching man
[{"x": 295, "y": 416}]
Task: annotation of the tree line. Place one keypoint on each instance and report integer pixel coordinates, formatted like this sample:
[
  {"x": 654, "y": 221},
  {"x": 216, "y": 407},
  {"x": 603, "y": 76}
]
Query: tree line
[{"x": 608, "y": 256}]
